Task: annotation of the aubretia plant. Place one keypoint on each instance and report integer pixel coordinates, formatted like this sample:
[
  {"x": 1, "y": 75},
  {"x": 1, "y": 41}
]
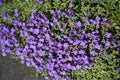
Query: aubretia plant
[{"x": 59, "y": 45}]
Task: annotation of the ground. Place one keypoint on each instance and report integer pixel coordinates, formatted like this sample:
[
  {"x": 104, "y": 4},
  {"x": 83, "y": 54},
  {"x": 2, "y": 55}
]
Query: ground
[{"x": 11, "y": 69}]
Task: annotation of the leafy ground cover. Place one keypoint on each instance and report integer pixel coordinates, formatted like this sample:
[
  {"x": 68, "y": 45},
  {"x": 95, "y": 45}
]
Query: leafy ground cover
[{"x": 77, "y": 40}]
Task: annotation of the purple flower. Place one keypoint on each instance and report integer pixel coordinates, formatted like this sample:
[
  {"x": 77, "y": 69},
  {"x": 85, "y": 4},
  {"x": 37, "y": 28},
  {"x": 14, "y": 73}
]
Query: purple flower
[
  {"x": 61, "y": 29},
  {"x": 51, "y": 42},
  {"x": 75, "y": 52},
  {"x": 39, "y": 1},
  {"x": 16, "y": 14},
  {"x": 19, "y": 23},
  {"x": 71, "y": 4},
  {"x": 68, "y": 14},
  {"x": 107, "y": 35},
  {"x": 32, "y": 16},
  {"x": 22, "y": 61},
  {"x": 78, "y": 67},
  {"x": 97, "y": 24},
  {"x": 65, "y": 45},
  {"x": 8, "y": 50},
  {"x": 35, "y": 22},
  {"x": 97, "y": 46},
  {"x": 92, "y": 58},
  {"x": 67, "y": 77},
  {"x": 41, "y": 53},
  {"x": 89, "y": 14},
  {"x": 70, "y": 59},
  {"x": 105, "y": 55},
  {"x": 107, "y": 44},
  {"x": 83, "y": 44},
  {"x": 71, "y": 23},
  {"x": 82, "y": 52},
  {"x": 34, "y": 54},
  {"x": 5, "y": 16},
  {"x": 55, "y": 20},
  {"x": 40, "y": 44},
  {"x": 46, "y": 78},
  {"x": 92, "y": 21},
  {"x": 36, "y": 31},
  {"x": 44, "y": 29},
  {"x": 91, "y": 64},
  {"x": 93, "y": 53},
  {"x": 58, "y": 12},
  {"x": 65, "y": 36},
  {"x": 28, "y": 64},
  {"x": 53, "y": 12},
  {"x": 85, "y": 60},
  {"x": 82, "y": 70},
  {"x": 97, "y": 18},
  {"x": 105, "y": 21},
  {"x": 63, "y": 73},
  {"x": 33, "y": 11},
  {"x": 1, "y": 4},
  {"x": 70, "y": 40},
  {"x": 63, "y": 60},
  {"x": 118, "y": 70},
  {"x": 33, "y": 47},
  {"x": 31, "y": 37},
  {"x": 5, "y": 29},
  {"x": 75, "y": 32},
  {"x": 4, "y": 54},
  {"x": 59, "y": 45},
  {"x": 118, "y": 49},
  {"x": 81, "y": 36},
  {"x": 30, "y": 24},
  {"x": 33, "y": 63},
  {"x": 47, "y": 36},
  {"x": 64, "y": 25},
  {"x": 68, "y": 66},
  {"x": 114, "y": 44},
  {"x": 86, "y": 66}
]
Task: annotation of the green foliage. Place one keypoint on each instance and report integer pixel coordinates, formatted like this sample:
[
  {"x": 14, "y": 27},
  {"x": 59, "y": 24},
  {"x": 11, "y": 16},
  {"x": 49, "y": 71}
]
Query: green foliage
[{"x": 104, "y": 69}]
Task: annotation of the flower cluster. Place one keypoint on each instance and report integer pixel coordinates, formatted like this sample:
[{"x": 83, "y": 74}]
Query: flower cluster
[{"x": 54, "y": 46}]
